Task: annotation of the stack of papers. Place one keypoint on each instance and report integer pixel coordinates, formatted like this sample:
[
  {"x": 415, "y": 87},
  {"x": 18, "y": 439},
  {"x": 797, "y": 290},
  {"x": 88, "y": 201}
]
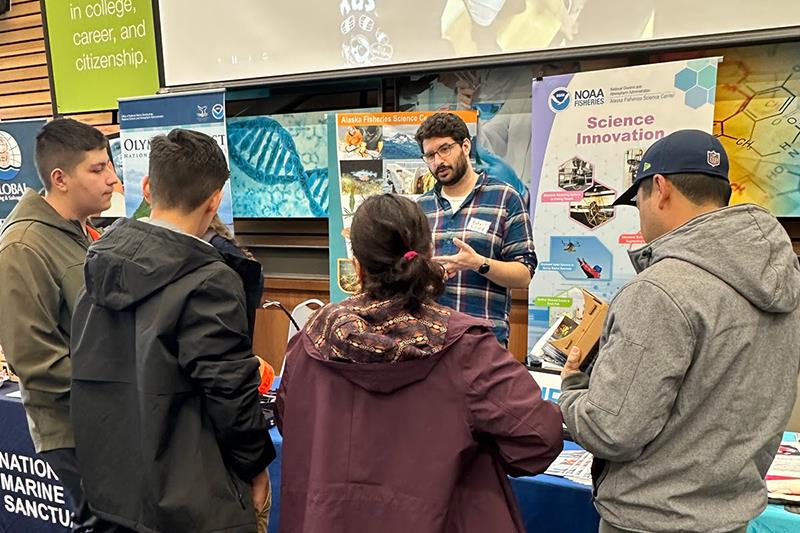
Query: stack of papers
[
  {"x": 783, "y": 477},
  {"x": 575, "y": 465}
]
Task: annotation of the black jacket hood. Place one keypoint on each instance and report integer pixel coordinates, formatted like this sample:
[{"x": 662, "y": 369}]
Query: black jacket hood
[{"x": 134, "y": 259}]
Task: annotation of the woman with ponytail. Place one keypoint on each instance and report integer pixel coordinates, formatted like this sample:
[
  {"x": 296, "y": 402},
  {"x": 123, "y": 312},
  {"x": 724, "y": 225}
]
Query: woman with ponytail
[{"x": 399, "y": 414}]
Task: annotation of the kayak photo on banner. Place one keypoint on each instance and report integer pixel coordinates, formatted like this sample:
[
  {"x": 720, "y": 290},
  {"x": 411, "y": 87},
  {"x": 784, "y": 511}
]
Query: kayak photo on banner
[
  {"x": 141, "y": 119},
  {"x": 376, "y": 154},
  {"x": 17, "y": 164},
  {"x": 589, "y": 133}
]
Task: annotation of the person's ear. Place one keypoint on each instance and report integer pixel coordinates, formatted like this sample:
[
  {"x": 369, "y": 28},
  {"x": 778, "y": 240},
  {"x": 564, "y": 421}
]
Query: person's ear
[
  {"x": 58, "y": 180},
  {"x": 146, "y": 189},
  {"x": 663, "y": 189},
  {"x": 467, "y": 145},
  {"x": 215, "y": 201},
  {"x": 359, "y": 271}
]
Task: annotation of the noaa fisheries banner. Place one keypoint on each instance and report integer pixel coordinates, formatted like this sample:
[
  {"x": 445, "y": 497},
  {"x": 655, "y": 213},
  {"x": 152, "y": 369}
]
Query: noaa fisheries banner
[
  {"x": 590, "y": 131},
  {"x": 141, "y": 119},
  {"x": 17, "y": 165},
  {"x": 376, "y": 154}
]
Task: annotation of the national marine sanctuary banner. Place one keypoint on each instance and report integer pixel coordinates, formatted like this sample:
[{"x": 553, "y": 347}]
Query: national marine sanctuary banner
[{"x": 141, "y": 119}]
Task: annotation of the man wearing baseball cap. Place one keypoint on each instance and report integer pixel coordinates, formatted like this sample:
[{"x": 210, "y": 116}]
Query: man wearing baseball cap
[{"x": 698, "y": 363}]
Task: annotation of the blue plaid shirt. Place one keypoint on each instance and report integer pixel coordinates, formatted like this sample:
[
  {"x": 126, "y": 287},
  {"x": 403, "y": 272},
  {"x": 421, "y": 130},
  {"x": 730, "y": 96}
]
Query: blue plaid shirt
[{"x": 494, "y": 221}]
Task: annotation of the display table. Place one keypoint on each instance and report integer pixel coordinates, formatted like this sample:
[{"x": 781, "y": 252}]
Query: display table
[{"x": 548, "y": 503}]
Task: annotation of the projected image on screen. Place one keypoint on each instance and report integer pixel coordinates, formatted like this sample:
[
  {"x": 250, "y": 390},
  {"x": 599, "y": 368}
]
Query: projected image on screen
[{"x": 204, "y": 41}]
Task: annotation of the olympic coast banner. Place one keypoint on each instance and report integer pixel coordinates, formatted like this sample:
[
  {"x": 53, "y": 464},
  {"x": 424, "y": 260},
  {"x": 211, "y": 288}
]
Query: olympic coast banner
[
  {"x": 589, "y": 133},
  {"x": 141, "y": 119},
  {"x": 17, "y": 165}
]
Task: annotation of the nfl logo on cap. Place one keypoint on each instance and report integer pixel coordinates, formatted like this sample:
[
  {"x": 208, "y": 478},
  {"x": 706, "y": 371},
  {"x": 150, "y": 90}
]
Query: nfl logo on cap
[{"x": 713, "y": 158}]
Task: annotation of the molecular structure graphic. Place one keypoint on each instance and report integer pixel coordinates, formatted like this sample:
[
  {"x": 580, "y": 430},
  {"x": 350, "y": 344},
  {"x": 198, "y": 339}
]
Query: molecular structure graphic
[{"x": 757, "y": 119}]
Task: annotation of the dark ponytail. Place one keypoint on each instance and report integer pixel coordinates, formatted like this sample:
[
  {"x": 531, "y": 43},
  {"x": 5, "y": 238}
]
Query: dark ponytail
[{"x": 391, "y": 239}]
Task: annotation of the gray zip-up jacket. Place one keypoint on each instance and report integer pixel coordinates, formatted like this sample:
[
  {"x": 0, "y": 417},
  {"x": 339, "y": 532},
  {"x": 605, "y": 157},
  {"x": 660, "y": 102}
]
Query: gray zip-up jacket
[{"x": 695, "y": 378}]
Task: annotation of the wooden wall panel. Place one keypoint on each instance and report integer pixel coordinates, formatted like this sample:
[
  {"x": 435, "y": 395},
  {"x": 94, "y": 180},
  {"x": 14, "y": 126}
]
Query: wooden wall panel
[
  {"x": 272, "y": 325},
  {"x": 20, "y": 8}
]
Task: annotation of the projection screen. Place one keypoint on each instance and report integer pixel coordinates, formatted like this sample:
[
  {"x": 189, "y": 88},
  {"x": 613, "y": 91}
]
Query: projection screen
[{"x": 207, "y": 41}]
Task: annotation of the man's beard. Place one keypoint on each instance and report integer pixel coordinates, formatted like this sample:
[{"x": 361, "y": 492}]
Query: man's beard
[{"x": 457, "y": 172}]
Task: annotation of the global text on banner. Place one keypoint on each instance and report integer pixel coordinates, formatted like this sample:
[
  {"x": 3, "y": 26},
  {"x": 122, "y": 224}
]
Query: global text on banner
[{"x": 17, "y": 165}]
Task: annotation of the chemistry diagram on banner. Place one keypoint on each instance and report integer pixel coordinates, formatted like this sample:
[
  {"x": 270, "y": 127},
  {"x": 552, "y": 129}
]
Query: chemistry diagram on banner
[
  {"x": 590, "y": 131},
  {"x": 376, "y": 154}
]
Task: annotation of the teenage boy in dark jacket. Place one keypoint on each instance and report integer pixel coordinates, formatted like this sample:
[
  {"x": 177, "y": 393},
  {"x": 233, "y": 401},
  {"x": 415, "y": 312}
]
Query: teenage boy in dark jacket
[{"x": 168, "y": 428}]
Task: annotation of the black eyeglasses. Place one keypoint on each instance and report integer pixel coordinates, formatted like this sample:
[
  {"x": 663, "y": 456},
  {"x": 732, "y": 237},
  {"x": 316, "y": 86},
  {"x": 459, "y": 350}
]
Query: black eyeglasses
[{"x": 443, "y": 151}]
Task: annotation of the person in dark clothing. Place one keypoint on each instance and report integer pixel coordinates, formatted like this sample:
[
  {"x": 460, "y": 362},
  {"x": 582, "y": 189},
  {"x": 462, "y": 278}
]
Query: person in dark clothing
[
  {"x": 242, "y": 261},
  {"x": 168, "y": 429},
  {"x": 388, "y": 384}
]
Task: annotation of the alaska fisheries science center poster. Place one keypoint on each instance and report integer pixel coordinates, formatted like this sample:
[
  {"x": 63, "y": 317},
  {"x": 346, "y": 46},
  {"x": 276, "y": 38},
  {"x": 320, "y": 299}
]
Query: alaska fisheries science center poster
[
  {"x": 141, "y": 119},
  {"x": 589, "y": 133},
  {"x": 17, "y": 164},
  {"x": 376, "y": 154}
]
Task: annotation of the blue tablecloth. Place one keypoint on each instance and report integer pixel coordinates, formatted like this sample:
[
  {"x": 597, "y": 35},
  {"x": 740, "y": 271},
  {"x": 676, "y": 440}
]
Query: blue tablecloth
[{"x": 548, "y": 503}]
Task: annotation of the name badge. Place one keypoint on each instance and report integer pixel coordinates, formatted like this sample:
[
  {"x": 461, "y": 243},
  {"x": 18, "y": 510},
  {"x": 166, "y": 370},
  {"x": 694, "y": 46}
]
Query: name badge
[{"x": 478, "y": 225}]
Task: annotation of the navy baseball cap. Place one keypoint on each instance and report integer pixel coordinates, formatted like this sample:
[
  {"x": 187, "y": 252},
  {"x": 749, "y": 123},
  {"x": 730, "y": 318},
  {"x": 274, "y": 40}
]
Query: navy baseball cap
[{"x": 681, "y": 152}]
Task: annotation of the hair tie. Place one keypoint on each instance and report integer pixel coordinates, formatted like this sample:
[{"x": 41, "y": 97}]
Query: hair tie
[{"x": 410, "y": 255}]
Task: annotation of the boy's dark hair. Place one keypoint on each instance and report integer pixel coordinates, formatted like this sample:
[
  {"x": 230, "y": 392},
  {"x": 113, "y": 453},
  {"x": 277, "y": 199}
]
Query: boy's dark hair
[
  {"x": 186, "y": 168},
  {"x": 62, "y": 143},
  {"x": 699, "y": 189},
  {"x": 385, "y": 228},
  {"x": 442, "y": 125}
]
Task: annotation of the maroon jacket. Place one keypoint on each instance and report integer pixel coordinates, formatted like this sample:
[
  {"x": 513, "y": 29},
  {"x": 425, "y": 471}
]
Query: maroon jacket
[{"x": 401, "y": 424}]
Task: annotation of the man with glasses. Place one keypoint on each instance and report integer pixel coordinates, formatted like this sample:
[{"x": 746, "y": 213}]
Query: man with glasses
[{"x": 481, "y": 228}]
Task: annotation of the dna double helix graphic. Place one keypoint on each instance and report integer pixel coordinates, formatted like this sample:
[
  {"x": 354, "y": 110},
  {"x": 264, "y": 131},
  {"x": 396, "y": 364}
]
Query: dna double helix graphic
[{"x": 266, "y": 152}]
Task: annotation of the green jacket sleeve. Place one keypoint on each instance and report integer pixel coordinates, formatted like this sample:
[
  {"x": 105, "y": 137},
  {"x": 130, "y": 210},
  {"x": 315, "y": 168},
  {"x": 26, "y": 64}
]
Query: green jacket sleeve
[{"x": 36, "y": 348}]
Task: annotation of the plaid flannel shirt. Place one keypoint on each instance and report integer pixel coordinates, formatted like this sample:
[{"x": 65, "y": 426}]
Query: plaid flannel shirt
[{"x": 494, "y": 221}]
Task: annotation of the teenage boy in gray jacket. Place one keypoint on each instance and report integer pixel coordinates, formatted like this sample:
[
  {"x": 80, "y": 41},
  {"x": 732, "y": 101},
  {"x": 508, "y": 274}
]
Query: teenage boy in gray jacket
[{"x": 698, "y": 363}]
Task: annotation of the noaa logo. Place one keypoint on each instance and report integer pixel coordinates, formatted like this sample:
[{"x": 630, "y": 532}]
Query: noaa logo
[
  {"x": 10, "y": 157},
  {"x": 218, "y": 111},
  {"x": 202, "y": 111},
  {"x": 559, "y": 99}
]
